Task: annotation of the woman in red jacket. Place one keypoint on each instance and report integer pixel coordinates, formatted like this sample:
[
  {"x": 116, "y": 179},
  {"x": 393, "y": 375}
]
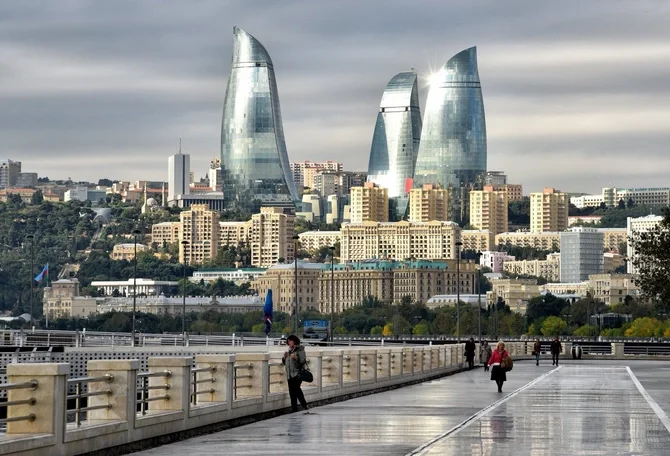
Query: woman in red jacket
[{"x": 497, "y": 371}]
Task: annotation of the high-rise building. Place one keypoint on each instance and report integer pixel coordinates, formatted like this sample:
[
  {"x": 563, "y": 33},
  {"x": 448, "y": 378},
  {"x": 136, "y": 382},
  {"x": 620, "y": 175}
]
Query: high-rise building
[
  {"x": 581, "y": 254},
  {"x": 395, "y": 142},
  {"x": 634, "y": 226},
  {"x": 254, "y": 160},
  {"x": 495, "y": 178},
  {"x": 304, "y": 172},
  {"x": 369, "y": 203},
  {"x": 430, "y": 202},
  {"x": 548, "y": 211},
  {"x": 488, "y": 210},
  {"x": 215, "y": 176},
  {"x": 179, "y": 172},
  {"x": 453, "y": 137},
  {"x": 200, "y": 229},
  {"x": 9, "y": 172},
  {"x": 271, "y": 237}
]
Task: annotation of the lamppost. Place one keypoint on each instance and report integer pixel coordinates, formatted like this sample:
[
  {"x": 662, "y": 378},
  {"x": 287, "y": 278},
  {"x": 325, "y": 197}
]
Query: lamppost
[
  {"x": 132, "y": 328},
  {"x": 458, "y": 292},
  {"x": 183, "y": 303},
  {"x": 479, "y": 294},
  {"x": 32, "y": 271},
  {"x": 296, "y": 238},
  {"x": 332, "y": 293}
]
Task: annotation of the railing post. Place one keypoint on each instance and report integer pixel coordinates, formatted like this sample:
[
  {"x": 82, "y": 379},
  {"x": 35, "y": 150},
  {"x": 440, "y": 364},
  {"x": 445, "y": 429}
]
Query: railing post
[
  {"x": 331, "y": 365},
  {"x": 222, "y": 386},
  {"x": 383, "y": 364},
  {"x": 617, "y": 350},
  {"x": 351, "y": 367},
  {"x": 49, "y": 406},
  {"x": 251, "y": 375},
  {"x": 179, "y": 382},
  {"x": 123, "y": 387}
]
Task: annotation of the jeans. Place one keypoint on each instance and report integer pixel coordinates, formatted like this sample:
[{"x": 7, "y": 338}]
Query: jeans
[
  {"x": 296, "y": 394},
  {"x": 537, "y": 358},
  {"x": 554, "y": 358}
]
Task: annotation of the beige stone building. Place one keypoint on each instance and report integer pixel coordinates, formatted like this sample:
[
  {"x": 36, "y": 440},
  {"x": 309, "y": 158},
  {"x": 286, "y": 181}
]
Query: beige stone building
[
  {"x": 550, "y": 268},
  {"x": 613, "y": 238},
  {"x": 557, "y": 288},
  {"x": 548, "y": 211},
  {"x": 311, "y": 241},
  {"x": 488, "y": 210},
  {"x": 271, "y": 237},
  {"x": 165, "y": 233},
  {"x": 430, "y": 203},
  {"x": 200, "y": 228},
  {"x": 280, "y": 278},
  {"x": 541, "y": 241},
  {"x": 477, "y": 240},
  {"x": 234, "y": 233},
  {"x": 423, "y": 279},
  {"x": 62, "y": 300},
  {"x": 126, "y": 251},
  {"x": 515, "y": 292},
  {"x": 399, "y": 240},
  {"x": 514, "y": 191},
  {"x": 613, "y": 288},
  {"x": 369, "y": 203}
]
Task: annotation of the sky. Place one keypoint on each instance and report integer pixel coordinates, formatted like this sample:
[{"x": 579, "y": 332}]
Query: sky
[{"x": 576, "y": 94}]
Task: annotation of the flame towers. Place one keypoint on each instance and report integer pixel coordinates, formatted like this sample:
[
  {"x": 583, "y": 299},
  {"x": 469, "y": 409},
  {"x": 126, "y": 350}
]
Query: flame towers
[
  {"x": 395, "y": 142},
  {"x": 254, "y": 160},
  {"x": 453, "y": 139}
]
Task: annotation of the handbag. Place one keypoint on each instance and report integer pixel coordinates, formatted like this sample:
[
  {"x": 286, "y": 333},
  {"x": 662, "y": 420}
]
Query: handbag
[
  {"x": 507, "y": 363},
  {"x": 305, "y": 375}
]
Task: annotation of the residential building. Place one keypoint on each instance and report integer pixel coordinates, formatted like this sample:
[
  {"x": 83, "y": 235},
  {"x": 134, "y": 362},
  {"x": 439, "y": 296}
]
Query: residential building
[
  {"x": 514, "y": 292},
  {"x": 179, "y": 170},
  {"x": 550, "y": 269},
  {"x": 541, "y": 241},
  {"x": 369, "y": 203},
  {"x": 26, "y": 180},
  {"x": 271, "y": 237},
  {"x": 9, "y": 172},
  {"x": 215, "y": 175},
  {"x": 399, "y": 240},
  {"x": 613, "y": 288},
  {"x": 311, "y": 241},
  {"x": 430, "y": 202},
  {"x": 614, "y": 238},
  {"x": 488, "y": 210},
  {"x": 613, "y": 261},
  {"x": 165, "y": 233},
  {"x": 237, "y": 275},
  {"x": 200, "y": 230},
  {"x": 581, "y": 219},
  {"x": 477, "y": 240},
  {"x": 514, "y": 191},
  {"x": 311, "y": 207},
  {"x": 235, "y": 233},
  {"x": 494, "y": 260},
  {"x": 281, "y": 279},
  {"x": 635, "y": 226},
  {"x": 144, "y": 287},
  {"x": 452, "y": 151},
  {"x": 450, "y": 300},
  {"x": 334, "y": 208},
  {"x": 304, "y": 172},
  {"x": 612, "y": 196},
  {"x": 127, "y": 251},
  {"x": 581, "y": 254},
  {"x": 27, "y": 194},
  {"x": 548, "y": 211},
  {"x": 254, "y": 159},
  {"x": 395, "y": 141}
]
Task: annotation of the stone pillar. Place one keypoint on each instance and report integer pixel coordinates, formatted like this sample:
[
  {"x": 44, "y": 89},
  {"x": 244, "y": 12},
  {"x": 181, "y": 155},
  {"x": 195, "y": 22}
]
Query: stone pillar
[
  {"x": 315, "y": 364},
  {"x": 251, "y": 374},
  {"x": 49, "y": 395},
  {"x": 331, "y": 367},
  {"x": 383, "y": 364},
  {"x": 350, "y": 367},
  {"x": 368, "y": 366},
  {"x": 123, "y": 387},
  {"x": 179, "y": 383},
  {"x": 617, "y": 350},
  {"x": 223, "y": 377},
  {"x": 407, "y": 361},
  {"x": 442, "y": 359},
  {"x": 460, "y": 353},
  {"x": 567, "y": 350},
  {"x": 434, "y": 357},
  {"x": 396, "y": 362}
]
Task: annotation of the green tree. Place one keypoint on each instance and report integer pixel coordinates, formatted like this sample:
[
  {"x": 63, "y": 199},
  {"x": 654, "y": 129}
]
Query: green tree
[
  {"x": 645, "y": 327},
  {"x": 376, "y": 331},
  {"x": 553, "y": 326},
  {"x": 586, "y": 331},
  {"x": 544, "y": 306},
  {"x": 421, "y": 329}
]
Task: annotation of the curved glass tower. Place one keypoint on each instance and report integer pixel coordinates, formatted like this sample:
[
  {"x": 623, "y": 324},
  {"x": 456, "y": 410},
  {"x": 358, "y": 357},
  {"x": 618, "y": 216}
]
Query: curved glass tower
[
  {"x": 254, "y": 161},
  {"x": 453, "y": 139},
  {"x": 395, "y": 142}
]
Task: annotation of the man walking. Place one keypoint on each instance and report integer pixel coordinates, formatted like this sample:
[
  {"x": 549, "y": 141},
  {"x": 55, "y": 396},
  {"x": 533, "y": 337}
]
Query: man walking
[{"x": 556, "y": 349}]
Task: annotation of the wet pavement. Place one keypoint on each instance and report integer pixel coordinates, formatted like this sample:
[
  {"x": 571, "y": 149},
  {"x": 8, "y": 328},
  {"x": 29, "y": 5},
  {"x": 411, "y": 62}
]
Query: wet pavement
[{"x": 583, "y": 408}]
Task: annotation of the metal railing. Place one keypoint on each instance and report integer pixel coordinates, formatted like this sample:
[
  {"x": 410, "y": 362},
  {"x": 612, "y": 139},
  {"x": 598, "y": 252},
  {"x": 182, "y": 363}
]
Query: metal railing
[
  {"x": 143, "y": 378},
  {"x": 80, "y": 395},
  {"x": 651, "y": 350},
  {"x": 275, "y": 369},
  {"x": 30, "y": 385},
  {"x": 195, "y": 382},
  {"x": 237, "y": 376}
]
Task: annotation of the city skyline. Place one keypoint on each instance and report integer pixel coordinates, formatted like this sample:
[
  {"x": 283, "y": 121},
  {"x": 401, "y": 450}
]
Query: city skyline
[{"x": 573, "y": 91}]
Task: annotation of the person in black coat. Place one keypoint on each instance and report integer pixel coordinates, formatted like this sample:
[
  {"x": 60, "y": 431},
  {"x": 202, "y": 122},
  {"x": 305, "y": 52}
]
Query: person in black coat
[
  {"x": 470, "y": 348},
  {"x": 556, "y": 349}
]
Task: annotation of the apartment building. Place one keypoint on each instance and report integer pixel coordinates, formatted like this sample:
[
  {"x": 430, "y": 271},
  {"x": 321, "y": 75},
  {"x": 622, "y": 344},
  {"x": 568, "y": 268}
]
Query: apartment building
[
  {"x": 271, "y": 237},
  {"x": 494, "y": 260},
  {"x": 305, "y": 172},
  {"x": 477, "y": 240},
  {"x": 369, "y": 203},
  {"x": 611, "y": 196},
  {"x": 515, "y": 292},
  {"x": 488, "y": 210},
  {"x": 280, "y": 278},
  {"x": 311, "y": 241},
  {"x": 165, "y": 233},
  {"x": 429, "y": 203},
  {"x": 581, "y": 254},
  {"x": 613, "y": 288},
  {"x": 550, "y": 268},
  {"x": 234, "y": 233},
  {"x": 634, "y": 226},
  {"x": 200, "y": 229},
  {"x": 541, "y": 241},
  {"x": 548, "y": 211},
  {"x": 9, "y": 173}
]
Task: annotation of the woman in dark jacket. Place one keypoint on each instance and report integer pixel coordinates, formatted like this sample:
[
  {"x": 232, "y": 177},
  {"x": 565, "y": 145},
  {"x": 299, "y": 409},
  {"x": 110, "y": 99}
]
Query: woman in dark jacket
[
  {"x": 294, "y": 360},
  {"x": 498, "y": 374},
  {"x": 470, "y": 348}
]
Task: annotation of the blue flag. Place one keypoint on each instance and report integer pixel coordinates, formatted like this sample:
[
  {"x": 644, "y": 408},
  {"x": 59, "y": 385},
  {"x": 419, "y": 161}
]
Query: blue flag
[
  {"x": 40, "y": 276},
  {"x": 267, "y": 310}
]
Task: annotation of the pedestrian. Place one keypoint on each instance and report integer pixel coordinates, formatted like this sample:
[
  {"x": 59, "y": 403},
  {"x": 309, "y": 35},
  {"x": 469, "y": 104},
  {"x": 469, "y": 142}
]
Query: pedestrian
[
  {"x": 470, "y": 348},
  {"x": 537, "y": 348},
  {"x": 294, "y": 360},
  {"x": 485, "y": 354},
  {"x": 498, "y": 373},
  {"x": 556, "y": 349}
]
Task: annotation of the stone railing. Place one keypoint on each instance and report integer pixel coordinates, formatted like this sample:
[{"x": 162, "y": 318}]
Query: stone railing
[{"x": 116, "y": 405}]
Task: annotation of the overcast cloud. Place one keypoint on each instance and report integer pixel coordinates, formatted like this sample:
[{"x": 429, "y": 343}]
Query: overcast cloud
[{"x": 577, "y": 94}]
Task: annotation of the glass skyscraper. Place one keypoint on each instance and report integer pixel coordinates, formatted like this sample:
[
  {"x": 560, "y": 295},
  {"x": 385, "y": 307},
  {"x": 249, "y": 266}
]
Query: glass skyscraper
[
  {"x": 254, "y": 161},
  {"x": 395, "y": 142},
  {"x": 453, "y": 140}
]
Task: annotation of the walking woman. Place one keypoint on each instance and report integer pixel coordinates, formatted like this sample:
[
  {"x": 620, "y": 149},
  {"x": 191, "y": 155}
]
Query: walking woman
[
  {"x": 294, "y": 360},
  {"x": 498, "y": 373},
  {"x": 485, "y": 354},
  {"x": 537, "y": 348}
]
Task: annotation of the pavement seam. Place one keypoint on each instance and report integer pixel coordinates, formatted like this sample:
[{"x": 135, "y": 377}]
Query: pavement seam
[
  {"x": 468, "y": 421},
  {"x": 650, "y": 400}
]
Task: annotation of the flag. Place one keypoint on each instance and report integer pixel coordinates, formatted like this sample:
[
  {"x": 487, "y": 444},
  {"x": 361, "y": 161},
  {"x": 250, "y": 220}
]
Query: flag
[
  {"x": 267, "y": 310},
  {"x": 40, "y": 276}
]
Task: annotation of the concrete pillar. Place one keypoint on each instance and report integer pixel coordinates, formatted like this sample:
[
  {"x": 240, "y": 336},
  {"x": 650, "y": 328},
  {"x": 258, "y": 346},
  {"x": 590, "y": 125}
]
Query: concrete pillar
[
  {"x": 331, "y": 366},
  {"x": 396, "y": 362},
  {"x": 49, "y": 405},
  {"x": 179, "y": 383},
  {"x": 223, "y": 378},
  {"x": 460, "y": 353},
  {"x": 368, "y": 366},
  {"x": 407, "y": 361},
  {"x": 567, "y": 349},
  {"x": 123, "y": 387},
  {"x": 443, "y": 357},
  {"x": 315, "y": 364},
  {"x": 617, "y": 350},
  {"x": 383, "y": 364},
  {"x": 251, "y": 374},
  {"x": 434, "y": 357},
  {"x": 351, "y": 367}
]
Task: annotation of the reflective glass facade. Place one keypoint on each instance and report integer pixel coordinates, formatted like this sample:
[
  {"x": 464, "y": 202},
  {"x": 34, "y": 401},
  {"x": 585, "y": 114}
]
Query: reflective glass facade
[
  {"x": 395, "y": 142},
  {"x": 453, "y": 139},
  {"x": 254, "y": 161}
]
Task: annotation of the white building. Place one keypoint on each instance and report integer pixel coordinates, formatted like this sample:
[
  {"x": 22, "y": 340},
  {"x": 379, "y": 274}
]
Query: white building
[
  {"x": 450, "y": 300},
  {"x": 146, "y": 287},
  {"x": 581, "y": 254},
  {"x": 179, "y": 176},
  {"x": 238, "y": 276},
  {"x": 610, "y": 196},
  {"x": 495, "y": 260},
  {"x": 636, "y": 225},
  {"x": 85, "y": 194},
  {"x": 314, "y": 240}
]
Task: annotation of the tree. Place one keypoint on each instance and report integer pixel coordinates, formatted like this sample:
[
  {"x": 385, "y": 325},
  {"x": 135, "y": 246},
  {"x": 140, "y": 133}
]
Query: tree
[
  {"x": 645, "y": 327},
  {"x": 585, "y": 331},
  {"x": 37, "y": 197},
  {"x": 376, "y": 331},
  {"x": 554, "y": 326},
  {"x": 544, "y": 306},
  {"x": 388, "y": 330},
  {"x": 421, "y": 329}
]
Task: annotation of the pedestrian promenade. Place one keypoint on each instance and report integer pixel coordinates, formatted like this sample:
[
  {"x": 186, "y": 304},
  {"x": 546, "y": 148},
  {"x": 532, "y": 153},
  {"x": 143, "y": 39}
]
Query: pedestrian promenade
[{"x": 583, "y": 407}]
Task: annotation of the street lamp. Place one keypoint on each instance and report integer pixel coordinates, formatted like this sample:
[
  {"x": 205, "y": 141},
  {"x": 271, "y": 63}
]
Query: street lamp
[
  {"x": 296, "y": 238},
  {"x": 32, "y": 271},
  {"x": 458, "y": 292},
  {"x": 479, "y": 294},
  {"x": 183, "y": 303},
  {"x": 132, "y": 328},
  {"x": 332, "y": 293}
]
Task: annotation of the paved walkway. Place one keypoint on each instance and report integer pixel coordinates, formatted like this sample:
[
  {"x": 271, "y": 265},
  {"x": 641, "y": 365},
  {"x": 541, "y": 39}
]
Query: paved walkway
[{"x": 583, "y": 408}]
